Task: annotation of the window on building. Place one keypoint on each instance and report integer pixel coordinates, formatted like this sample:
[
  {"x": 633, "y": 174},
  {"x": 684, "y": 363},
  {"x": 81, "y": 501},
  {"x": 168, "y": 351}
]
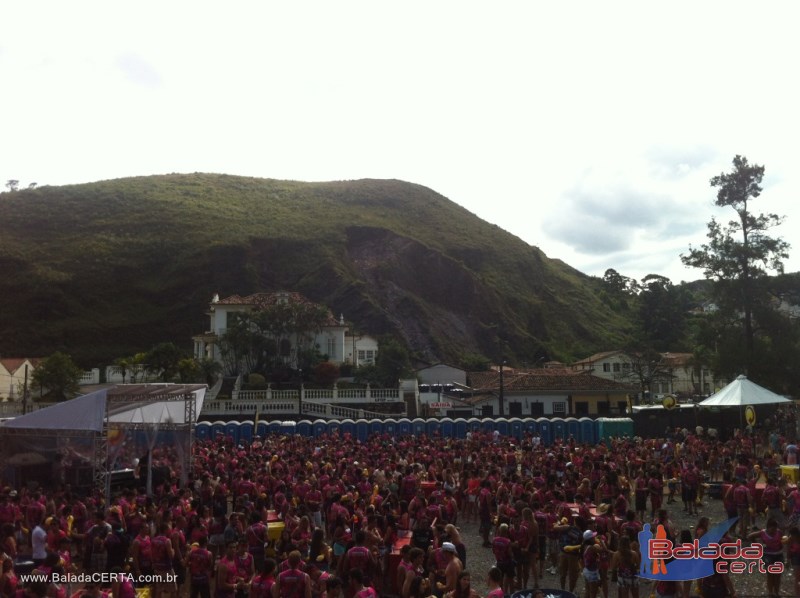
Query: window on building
[
  {"x": 331, "y": 348},
  {"x": 626, "y": 366},
  {"x": 622, "y": 407},
  {"x": 515, "y": 409},
  {"x": 617, "y": 367},
  {"x": 362, "y": 355},
  {"x": 581, "y": 408},
  {"x": 706, "y": 388},
  {"x": 371, "y": 355},
  {"x": 606, "y": 367},
  {"x": 537, "y": 409},
  {"x": 603, "y": 408},
  {"x": 487, "y": 411},
  {"x": 706, "y": 373},
  {"x": 559, "y": 407}
]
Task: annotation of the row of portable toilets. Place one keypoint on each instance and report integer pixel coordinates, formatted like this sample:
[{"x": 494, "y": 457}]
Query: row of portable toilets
[{"x": 548, "y": 429}]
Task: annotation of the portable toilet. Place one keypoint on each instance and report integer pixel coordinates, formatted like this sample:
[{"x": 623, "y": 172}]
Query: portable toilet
[
  {"x": 545, "y": 431},
  {"x": 362, "y": 430},
  {"x": 333, "y": 427},
  {"x": 531, "y": 426},
  {"x": 501, "y": 425},
  {"x": 447, "y": 428},
  {"x": 558, "y": 429},
  {"x": 588, "y": 430},
  {"x": 404, "y": 427},
  {"x": 418, "y": 426},
  {"x": 432, "y": 427},
  {"x": 288, "y": 428},
  {"x": 232, "y": 431},
  {"x": 348, "y": 427},
  {"x": 573, "y": 428},
  {"x": 390, "y": 427},
  {"x": 304, "y": 428},
  {"x": 262, "y": 428},
  {"x": 320, "y": 427},
  {"x": 460, "y": 425},
  {"x": 473, "y": 424},
  {"x": 246, "y": 431},
  {"x": 217, "y": 429},
  {"x": 487, "y": 425},
  {"x": 613, "y": 427},
  {"x": 274, "y": 427},
  {"x": 202, "y": 430},
  {"x": 375, "y": 427},
  {"x": 517, "y": 427}
]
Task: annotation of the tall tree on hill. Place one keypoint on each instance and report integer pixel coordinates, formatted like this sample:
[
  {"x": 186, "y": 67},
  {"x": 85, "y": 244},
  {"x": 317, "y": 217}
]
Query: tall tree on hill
[
  {"x": 739, "y": 255},
  {"x": 662, "y": 308}
]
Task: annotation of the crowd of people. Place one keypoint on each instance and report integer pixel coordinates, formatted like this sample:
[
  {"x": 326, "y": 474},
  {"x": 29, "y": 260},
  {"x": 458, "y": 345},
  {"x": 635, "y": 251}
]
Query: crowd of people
[{"x": 295, "y": 516}]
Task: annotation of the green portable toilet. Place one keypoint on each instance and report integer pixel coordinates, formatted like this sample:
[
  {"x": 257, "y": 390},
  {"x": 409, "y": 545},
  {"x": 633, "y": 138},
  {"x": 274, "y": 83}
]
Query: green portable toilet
[{"x": 616, "y": 427}]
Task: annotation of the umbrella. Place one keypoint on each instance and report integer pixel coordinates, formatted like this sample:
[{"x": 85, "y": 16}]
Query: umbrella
[{"x": 742, "y": 392}]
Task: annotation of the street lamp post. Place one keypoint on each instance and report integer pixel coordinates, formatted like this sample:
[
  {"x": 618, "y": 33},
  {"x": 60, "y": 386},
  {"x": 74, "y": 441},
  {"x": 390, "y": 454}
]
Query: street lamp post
[{"x": 502, "y": 390}]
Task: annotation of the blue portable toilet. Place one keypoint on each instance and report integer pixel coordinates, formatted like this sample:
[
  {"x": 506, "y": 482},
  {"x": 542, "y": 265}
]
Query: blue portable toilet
[
  {"x": 375, "y": 427},
  {"x": 232, "y": 431},
  {"x": 517, "y": 427},
  {"x": 202, "y": 430},
  {"x": 474, "y": 424},
  {"x": 531, "y": 426},
  {"x": 246, "y": 431},
  {"x": 502, "y": 425},
  {"x": 558, "y": 429},
  {"x": 487, "y": 425},
  {"x": 274, "y": 427},
  {"x": 262, "y": 428},
  {"x": 288, "y": 428},
  {"x": 447, "y": 428},
  {"x": 390, "y": 427},
  {"x": 460, "y": 426},
  {"x": 404, "y": 427},
  {"x": 217, "y": 429},
  {"x": 573, "y": 428},
  {"x": 348, "y": 427},
  {"x": 432, "y": 427},
  {"x": 304, "y": 428},
  {"x": 418, "y": 426},
  {"x": 320, "y": 427},
  {"x": 334, "y": 427},
  {"x": 362, "y": 430},
  {"x": 545, "y": 431},
  {"x": 588, "y": 431}
]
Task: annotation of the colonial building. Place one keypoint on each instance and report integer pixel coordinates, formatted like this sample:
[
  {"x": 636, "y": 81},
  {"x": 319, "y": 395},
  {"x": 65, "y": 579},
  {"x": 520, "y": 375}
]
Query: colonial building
[
  {"x": 329, "y": 339},
  {"x": 547, "y": 392},
  {"x": 676, "y": 373}
]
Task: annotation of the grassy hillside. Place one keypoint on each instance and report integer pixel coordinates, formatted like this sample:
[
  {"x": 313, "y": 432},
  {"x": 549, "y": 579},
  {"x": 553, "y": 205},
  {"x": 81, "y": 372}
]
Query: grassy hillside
[{"x": 110, "y": 268}]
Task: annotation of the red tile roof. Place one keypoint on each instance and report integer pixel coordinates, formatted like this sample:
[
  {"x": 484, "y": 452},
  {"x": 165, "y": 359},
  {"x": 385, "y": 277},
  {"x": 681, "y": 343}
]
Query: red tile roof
[
  {"x": 264, "y": 300},
  {"x": 12, "y": 364},
  {"x": 546, "y": 380},
  {"x": 596, "y": 357}
]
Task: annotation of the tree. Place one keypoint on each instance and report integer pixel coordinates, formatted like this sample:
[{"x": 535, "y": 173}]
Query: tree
[
  {"x": 122, "y": 366},
  {"x": 618, "y": 283},
  {"x": 57, "y": 376},
  {"x": 12, "y": 184},
  {"x": 738, "y": 256},
  {"x": 647, "y": 367},
  {"x": 210, "y": 370},
  {"x": 662, "y": 311},
  {"x": 163, "y": 359},
  {"x": 188, "y": 370}
]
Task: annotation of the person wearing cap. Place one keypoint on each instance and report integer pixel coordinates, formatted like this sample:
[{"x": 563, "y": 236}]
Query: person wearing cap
[
  {"x": 591, "y": 563},
  {"x": 452, "y": 569}
]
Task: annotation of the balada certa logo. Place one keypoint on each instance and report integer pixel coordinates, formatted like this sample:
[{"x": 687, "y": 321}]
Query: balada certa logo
[{"x": 664, "y": 560}]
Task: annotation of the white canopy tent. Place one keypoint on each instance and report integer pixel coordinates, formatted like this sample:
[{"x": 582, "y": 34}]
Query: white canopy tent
[
  {"x": 97, "y": 430},
  {"x": 742, "y": 392}
]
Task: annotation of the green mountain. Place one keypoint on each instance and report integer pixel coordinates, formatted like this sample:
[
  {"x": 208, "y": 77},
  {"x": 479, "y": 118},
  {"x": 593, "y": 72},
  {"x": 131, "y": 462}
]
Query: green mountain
[{"x": 107, "y": 269}]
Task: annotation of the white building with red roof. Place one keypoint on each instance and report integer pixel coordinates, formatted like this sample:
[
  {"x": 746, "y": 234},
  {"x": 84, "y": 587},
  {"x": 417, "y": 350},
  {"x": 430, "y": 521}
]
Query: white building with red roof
[
  {"x": 329, "y": 338},
  {"x": 12, "y": 376}
]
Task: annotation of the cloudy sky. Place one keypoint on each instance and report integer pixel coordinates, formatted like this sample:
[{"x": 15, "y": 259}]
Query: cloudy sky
[{"x": 589, "y": 129}]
